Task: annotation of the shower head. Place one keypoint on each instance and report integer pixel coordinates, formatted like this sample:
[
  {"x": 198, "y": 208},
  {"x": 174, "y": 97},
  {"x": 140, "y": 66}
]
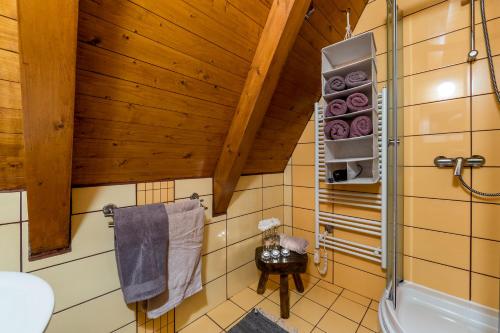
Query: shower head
[{"x": 472, "y": 55}]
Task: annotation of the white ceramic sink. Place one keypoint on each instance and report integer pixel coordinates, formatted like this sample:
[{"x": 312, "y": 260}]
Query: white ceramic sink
[{"x": 26, "y": 303}]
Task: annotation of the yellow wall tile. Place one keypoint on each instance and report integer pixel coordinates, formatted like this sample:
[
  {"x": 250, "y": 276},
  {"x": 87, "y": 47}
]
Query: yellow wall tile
[
  {"x": 213, "y": 265},
  {"x": 303, "y": 197},
  {"x": 242, "y": 277},
  {"x": 273, "y": 196},
  {"x": 380, "y": 35},
  {"x": 10, "y": 203},
  {"x": 243, "y": 227},
  {"x": 484, "y": 290},
  {"x": 272, "y": 179},
  {"x": 436, "y": 20},
  {"x": 287, "y": 195},
  {"x": 195, "y": 306},
  {"x": 441, "y": 84},
  {"x": 447, "y": 279},
  {"x": 81, "y": 280},
  {"x": 444, "y": 248},
  {"x": 90, "y": 235},
  {"x": 242, "y": 252},
  {"x": 481, "y": 83},
  {"x": 244, "y": 202},
  {"x": 377, "y": 17},
  {"x": 381, "y": 61},
  {"x": 486, "y": 113},
  {"x": 435, "y": 53},
  {"x": 360, "y": 263},
  {"x": 185, "y": 187},
  {"x": 486, "y": 257},
  {"x": 88, "y": 199},
  {"x": 102, "y": 314},
  {"x": 303, "y": 154},
  {"x": 486, "y": 180},
  {"x": 9, "y": 247},
  {"x": 303, "y": 175},
  {"x": 249, "y": 182},
  {"x": 24, "y": 206},
  {"x": 435, "y": 214},
  {"x": 303, "y": 218},
  {"x": 431, "y": 182},
  {"x": 494, "y": 34},
  {"x": 486, "y": 144},
  {"x": 485, "y": 218},
  {"x": 287, "y": 175},
  {"x": 421, "y": 150},
  {"x": 364, "y": 283},
  {"x": 308, "y": 134},
  {"x": 287, "y": 215},
  {"x": 214, "y": 237},
  {"x": 438, "y": 117},
  {"x": 275, "y": 212}
]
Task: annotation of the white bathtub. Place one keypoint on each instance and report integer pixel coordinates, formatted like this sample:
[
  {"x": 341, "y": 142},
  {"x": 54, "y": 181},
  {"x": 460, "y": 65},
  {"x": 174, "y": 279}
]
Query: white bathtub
[{"x": 424, "y": 310}]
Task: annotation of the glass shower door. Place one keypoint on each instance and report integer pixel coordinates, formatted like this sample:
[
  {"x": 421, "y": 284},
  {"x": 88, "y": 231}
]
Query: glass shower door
[{"x": 395, "y": 172}]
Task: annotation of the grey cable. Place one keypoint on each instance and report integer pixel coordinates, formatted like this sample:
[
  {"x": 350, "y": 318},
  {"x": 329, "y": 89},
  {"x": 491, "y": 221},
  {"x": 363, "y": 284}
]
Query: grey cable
[
  {"x": 483, "y": 194},
  {"x": 488, "y": 50}
]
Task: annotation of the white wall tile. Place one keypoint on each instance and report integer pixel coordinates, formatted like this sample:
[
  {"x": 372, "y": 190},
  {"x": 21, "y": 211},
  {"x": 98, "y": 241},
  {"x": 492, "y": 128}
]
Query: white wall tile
[{"x": 10, "y": 247}]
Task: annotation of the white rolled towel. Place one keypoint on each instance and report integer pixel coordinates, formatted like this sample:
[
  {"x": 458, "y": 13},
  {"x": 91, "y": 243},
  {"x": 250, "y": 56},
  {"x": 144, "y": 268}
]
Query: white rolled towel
[{"x": 295, "y": 244}]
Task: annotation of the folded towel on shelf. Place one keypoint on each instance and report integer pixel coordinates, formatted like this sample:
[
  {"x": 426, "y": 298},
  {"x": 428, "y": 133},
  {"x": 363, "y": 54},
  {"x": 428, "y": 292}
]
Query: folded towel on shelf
[
  {"x": 356, "y": 79},
  {"x": 336, "y": 129},
  {"x": 141, "y": 244},
  {"x": 336, "y": 107},
  {"x": 361, "y": 126},
  {"x": 295, "y": 244},
  {"x": 334, "y": 84},
  {"x": 357, "y": 102},
  {"x": 186, "y": 223}
]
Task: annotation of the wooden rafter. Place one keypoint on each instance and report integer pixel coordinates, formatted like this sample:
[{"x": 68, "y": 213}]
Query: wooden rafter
[
  {"x": 279, "y": 34},
  {"x": 47, "y": 38}
]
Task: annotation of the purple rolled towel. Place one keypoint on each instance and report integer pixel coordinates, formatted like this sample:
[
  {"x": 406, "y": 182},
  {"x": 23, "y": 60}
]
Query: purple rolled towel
[
  {"x": 333, "y": 84},
  {"x": 356, "y": 79},
  {"x": 357, "y": 102},
  {"x": 336, "y": 129},
  {"x": 361, "y": 126},
  {"x": 336, "y": 107},
  {"x": 296, "y": 244}
]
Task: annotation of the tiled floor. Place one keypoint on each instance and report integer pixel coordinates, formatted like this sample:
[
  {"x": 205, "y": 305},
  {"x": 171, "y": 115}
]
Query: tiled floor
[{"x": 323, "y": 307}]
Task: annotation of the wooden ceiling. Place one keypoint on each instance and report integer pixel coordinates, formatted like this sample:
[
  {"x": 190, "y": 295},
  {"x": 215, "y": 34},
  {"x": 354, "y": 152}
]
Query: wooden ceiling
[{"x": 158, "y": 83}]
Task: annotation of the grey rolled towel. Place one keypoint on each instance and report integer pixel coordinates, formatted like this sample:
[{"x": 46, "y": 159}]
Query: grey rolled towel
[
  {"x": 141, "y": 242},
  {"x": 361, "y": 126},
  {"x": 336, "y": 129},
  {"x": 336, "y": 107},
  {"x": 295, "y": 244},
  {"x": 357, "y": 102},
  {"x": 356, "y": 79},
  {"x": 334, "y": 84}
]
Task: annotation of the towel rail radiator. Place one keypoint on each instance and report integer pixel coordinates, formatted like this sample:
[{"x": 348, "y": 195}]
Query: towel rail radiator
[{"x": 373, "y": 201}]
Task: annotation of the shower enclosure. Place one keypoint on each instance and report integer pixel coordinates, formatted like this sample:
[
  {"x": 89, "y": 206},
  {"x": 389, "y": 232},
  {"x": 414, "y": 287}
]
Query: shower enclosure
[{"x": 407, "y": 307}]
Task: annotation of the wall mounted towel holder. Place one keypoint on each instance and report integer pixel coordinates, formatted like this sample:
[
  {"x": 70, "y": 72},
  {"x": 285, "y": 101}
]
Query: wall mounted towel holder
[{"x": 108, "y": 210}]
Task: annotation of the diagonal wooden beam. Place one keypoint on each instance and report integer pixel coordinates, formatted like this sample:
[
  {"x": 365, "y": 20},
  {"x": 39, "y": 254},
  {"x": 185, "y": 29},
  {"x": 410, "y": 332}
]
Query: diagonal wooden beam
[
  {"x": 279, "y": 34},
  {"x": 47, "y": 38}
]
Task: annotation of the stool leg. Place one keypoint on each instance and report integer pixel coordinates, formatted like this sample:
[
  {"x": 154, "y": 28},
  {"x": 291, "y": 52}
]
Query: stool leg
[
  {"x": 284, "y": 296},
  {"x": 298, "y": 282},
  {"x": 262, "y": 283}
]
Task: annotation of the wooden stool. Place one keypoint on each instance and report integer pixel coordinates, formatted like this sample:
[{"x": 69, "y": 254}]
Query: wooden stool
[{"x": 293, "y": 264}]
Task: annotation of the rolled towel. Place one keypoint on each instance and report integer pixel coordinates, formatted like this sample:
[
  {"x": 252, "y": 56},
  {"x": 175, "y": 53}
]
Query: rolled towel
[
  {"x": 361, "y": 126},
  {"x": 356, "y": 79},
  {"x": 357, "y": 102},
  {"x": 295, "y": 244},
  {"x": 333, "y": 84},
  {"x": 336, "y": 107},
  {"x": 336, "y": 129}
]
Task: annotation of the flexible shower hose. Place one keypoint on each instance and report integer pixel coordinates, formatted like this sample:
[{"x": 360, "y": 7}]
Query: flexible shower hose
[
  {"x": 483, "y": 194},
  {"x": 488, "y": 50}
]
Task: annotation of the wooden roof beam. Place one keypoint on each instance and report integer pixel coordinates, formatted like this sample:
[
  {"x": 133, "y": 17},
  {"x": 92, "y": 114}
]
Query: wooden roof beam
[
  {"x": 47, "y": 38},
  {"x": 282, "y": 27}
]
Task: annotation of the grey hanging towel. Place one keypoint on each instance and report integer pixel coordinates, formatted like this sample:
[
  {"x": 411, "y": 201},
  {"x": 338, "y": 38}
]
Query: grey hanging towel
[{"x": 141, "y": 241}]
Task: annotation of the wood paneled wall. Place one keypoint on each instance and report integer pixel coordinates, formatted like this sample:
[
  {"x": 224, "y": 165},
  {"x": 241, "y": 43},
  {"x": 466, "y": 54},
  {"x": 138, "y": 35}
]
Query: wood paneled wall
[{"x": 158, "y": 83}]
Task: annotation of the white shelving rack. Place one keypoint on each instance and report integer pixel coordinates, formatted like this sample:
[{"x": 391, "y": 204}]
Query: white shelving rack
[{"x": 371, "y": 151}]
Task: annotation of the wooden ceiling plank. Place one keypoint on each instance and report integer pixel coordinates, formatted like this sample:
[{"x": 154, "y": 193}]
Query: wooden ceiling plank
[
  {"x": 48, "y": 63},
  {"x": 280, "y": 32}
]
